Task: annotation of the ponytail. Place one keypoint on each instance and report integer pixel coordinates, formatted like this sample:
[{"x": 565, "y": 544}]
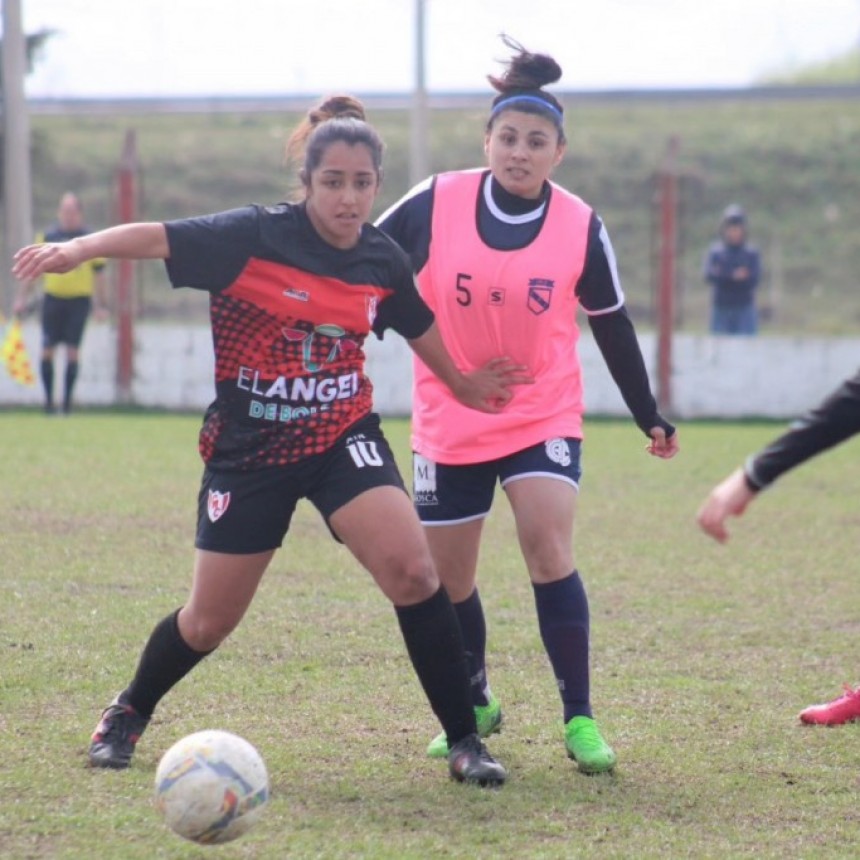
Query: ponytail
[{"x": 337, "y": 118}]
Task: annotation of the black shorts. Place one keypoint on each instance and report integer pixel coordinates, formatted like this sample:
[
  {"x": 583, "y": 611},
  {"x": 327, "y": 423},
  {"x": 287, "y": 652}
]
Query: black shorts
[
  {"x": 63, "y": 320},
  {"x": 249, "y": 512},
  {"x": 447, "y": 495}
]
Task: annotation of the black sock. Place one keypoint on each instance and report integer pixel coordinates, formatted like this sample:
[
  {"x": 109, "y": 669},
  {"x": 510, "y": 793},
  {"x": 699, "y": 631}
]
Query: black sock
[
  {"x": 470, "y": 614},
  {"x": 562, "y": 609},
  {"x": 46, "y": 371},
  {"x": 166, "y": 660},
  {"x": 435, "y": 646},
  {"x": 71, "y": 377}
]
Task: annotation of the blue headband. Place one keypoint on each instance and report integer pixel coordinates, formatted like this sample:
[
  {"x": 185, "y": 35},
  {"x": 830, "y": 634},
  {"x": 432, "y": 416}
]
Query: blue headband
[{"x": 508, "y": 102}]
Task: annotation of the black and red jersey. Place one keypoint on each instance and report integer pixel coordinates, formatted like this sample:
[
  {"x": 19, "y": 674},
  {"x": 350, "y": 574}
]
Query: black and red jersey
[{"x": 289, "y": 315}]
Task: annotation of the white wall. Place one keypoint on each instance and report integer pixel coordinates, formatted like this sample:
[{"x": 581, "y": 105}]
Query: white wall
[{"x": 721, "y": 377}]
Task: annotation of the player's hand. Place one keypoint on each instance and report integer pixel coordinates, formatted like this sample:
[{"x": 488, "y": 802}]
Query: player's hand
[
  {"x": 101, "y": 314},
  {"x": 488, "y": 389},
  {"x": 54, "y": 257},
  {"x": 662, "y": 446},
  {"x": 728, "y": 499}
]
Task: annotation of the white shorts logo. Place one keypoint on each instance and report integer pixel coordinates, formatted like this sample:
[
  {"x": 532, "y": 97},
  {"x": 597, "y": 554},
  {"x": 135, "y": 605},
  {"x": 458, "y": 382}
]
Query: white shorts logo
[
  {"x": 558, "y": 451},
  {"x": 424, "y": 480},
  {"x": 217, "y": 504},
  {"x": 364, "y": 452}
]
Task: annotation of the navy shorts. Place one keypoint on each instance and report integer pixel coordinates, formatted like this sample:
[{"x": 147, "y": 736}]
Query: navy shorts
[
  {"x": 249, "y": 512},
  {"x": 63, "y": 320},
  {"x": 445, "y": 494}
]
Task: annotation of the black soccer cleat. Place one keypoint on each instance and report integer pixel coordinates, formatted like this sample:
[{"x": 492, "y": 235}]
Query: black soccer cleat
[
  {"x": 469, "y": 761},
  {"x": 115, "y": 736}
]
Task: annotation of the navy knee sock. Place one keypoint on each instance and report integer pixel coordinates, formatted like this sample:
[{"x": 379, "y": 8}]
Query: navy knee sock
[
  {"x": 470, "y": 614},
  {"x": 166, "y": 659},
  {"x": 562, "y": 609},
  {"x": 435, "y": 646}
]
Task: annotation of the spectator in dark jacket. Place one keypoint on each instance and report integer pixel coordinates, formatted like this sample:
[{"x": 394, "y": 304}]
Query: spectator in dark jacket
[{"x": 733, "y": 268}]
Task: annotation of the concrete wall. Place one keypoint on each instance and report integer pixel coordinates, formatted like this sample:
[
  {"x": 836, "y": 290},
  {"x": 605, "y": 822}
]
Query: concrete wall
[{"x": 725, "y": 377}]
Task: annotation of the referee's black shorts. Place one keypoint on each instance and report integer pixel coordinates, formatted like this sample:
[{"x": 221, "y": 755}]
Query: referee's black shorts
[
  {"x": 63, "y": 320},
  {"x": 250, "y": 512}
]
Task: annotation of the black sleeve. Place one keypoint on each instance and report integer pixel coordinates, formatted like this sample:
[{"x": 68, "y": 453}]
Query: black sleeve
[
  {"x": 616, "y": 339},
  {"x": 832, "y": 422},
  {"x": 209, "y": 252},
  {"x": 599, "y": 287},
  {"x": 408, "y": 223},
  {"x": 404, "y": 310}
]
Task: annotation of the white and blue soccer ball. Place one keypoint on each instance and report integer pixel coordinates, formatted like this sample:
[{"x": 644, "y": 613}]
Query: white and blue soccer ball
[{"x": 211, "y": 786}]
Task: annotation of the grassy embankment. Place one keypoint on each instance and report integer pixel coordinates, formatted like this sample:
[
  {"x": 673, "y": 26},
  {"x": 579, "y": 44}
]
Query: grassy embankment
[{"x": 793, "y": 163}]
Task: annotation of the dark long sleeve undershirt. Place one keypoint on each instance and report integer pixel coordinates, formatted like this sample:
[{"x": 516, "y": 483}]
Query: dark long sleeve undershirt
[
  {"x": 616, "y": 338},
  {"x": 836, "y": 419}
]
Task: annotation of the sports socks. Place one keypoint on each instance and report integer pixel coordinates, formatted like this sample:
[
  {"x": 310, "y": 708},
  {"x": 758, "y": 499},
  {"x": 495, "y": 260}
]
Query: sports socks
[
  {"x": 166, "y": 660},
  {"x": 562, "y": 610},
  {"x": 46, "y": 371},
  {"x": 435, "y": 646},
  {"x": 71, "y": 377},
  {"x": 470, "y": 614}
]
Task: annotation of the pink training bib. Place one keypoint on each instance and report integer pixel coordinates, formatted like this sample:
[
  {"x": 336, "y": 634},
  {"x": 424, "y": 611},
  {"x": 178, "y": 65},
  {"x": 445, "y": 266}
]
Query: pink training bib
[{"x": 490, "y": 303}]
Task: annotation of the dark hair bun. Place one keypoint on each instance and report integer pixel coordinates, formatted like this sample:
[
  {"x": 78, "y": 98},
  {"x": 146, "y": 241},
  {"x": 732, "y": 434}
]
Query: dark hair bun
[
  {"x": 525, "y": 71},
  {"x": 337, "y": 107}
]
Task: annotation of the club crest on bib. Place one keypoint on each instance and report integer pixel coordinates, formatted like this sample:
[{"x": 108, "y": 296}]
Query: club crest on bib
[
  {"x": 217, "y": 504},
  {"x": 540, "y": 295},
  {"x": 558, "y": 451}
]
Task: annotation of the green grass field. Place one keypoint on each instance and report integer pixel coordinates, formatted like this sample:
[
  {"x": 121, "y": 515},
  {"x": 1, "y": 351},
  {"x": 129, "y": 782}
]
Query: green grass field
[{"x": 702, "y": 656}]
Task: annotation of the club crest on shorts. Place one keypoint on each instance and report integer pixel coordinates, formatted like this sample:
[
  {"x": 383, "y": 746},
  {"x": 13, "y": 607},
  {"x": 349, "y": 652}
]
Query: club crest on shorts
[
  {"x": 217, "y": 504},
  {"x": 558, "y": 451}
]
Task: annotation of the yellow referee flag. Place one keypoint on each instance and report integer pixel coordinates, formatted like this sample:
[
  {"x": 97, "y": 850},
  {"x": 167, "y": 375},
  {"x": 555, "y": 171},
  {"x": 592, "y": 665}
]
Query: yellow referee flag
[{"x": 14, "y": 355}]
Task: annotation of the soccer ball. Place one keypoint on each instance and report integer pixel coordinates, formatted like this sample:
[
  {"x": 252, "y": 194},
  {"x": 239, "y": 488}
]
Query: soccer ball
[{"x": 211, "y": 786}]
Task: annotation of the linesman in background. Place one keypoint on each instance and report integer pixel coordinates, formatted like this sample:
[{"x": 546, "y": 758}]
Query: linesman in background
[{"x": 68, "y": 300}]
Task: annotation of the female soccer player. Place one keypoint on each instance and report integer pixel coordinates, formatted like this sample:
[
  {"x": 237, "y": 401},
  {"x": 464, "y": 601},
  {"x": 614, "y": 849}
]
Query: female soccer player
[
  {"x": 834, "y": 421},
  {"x": 504, "y": 258},
  {"x": 294, "y": 291}
]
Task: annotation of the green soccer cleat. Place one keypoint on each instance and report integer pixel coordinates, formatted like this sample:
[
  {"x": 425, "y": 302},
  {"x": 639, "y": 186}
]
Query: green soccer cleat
[
  {"x": 489, "y": 719},
  {"x": 586, "y": 746}
]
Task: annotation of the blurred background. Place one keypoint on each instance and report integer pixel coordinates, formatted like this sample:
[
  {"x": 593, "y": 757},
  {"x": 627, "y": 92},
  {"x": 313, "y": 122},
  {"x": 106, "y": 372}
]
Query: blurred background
[{"x": 755, "y": 103}]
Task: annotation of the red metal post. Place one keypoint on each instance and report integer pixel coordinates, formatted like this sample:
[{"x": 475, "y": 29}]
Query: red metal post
[
  {"x": 127, "y": 173},
  {"x": 667, "y": 279}
]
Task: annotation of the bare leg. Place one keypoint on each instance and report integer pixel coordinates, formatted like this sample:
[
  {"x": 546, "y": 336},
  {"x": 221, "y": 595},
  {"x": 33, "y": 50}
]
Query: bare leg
[
  {"x": 544, "y": 509},
  {"x": 221, "y": 592},
  {"x": 455, "y": 551},
  {"x": 382, "y": 530}
]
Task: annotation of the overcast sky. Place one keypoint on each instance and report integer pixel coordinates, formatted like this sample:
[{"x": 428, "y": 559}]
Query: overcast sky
[{"x": 275, "y": 47}]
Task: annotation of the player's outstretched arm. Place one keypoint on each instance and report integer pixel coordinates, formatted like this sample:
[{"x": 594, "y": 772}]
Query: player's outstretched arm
[
  {"x": 728, "y": 499},
  {"x": 142, "y": 241}
]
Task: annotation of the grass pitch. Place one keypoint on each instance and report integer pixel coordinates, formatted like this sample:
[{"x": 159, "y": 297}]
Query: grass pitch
[{"x": 702, "y": 656}]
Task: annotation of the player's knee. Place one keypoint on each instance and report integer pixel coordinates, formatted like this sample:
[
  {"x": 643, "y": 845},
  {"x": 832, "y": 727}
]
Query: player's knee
[
  {"x": 548, "y": 561},
  {"x": 410, "y": 579},
  {"x": 205, "y": 632}
]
